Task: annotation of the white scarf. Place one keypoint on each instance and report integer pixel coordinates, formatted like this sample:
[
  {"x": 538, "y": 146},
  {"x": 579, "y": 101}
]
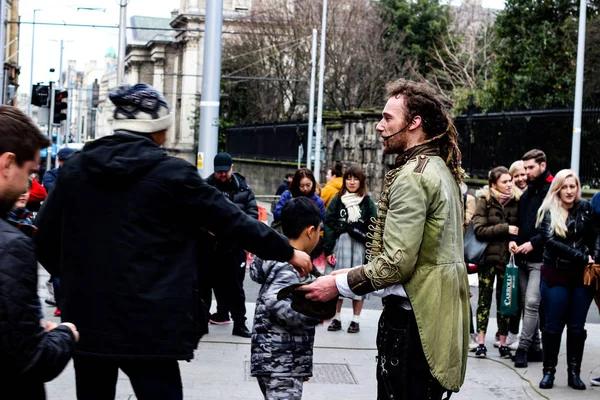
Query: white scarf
[{"x": 351, "y": 201}]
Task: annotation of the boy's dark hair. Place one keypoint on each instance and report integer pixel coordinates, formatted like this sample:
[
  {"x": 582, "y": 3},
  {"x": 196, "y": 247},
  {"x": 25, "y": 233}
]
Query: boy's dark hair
[
  {"x": 19, "y": 135},
  {"x": 298, "y": 214},
  {"x": 535, "y": 154},
  {"x": 289, "y": 175},
  {"x": 337, "y": 170}
]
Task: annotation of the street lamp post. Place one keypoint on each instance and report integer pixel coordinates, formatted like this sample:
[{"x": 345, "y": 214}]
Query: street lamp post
[{"x": 29, "y": 109}]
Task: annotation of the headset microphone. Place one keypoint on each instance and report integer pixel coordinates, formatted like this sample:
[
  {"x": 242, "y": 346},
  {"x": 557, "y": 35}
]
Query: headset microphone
[{"x": 394, "y": 134}]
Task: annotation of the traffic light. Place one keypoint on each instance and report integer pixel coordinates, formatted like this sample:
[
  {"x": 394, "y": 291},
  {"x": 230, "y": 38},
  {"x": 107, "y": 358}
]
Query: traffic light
[
  {"x": 60, "y": 106},
  {"x": 39, "y": 95}
]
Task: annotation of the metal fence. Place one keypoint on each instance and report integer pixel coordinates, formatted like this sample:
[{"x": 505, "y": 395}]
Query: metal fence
[
  {"x": 489, "y": 140},
  {"x": 268, "y": 142}
]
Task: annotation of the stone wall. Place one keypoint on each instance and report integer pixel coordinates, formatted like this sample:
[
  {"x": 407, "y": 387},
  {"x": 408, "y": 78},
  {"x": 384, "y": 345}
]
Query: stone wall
[
  {"x": 263, "y": 176},
  {"x": 352, "y": 139}
]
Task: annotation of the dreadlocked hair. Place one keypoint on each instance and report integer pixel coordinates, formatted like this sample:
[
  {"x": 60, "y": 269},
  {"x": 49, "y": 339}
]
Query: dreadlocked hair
[{"x": 421, "y": 100}]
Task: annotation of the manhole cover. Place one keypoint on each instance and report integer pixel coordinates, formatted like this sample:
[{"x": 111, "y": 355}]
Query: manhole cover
[{"x": 323, "y": 373}]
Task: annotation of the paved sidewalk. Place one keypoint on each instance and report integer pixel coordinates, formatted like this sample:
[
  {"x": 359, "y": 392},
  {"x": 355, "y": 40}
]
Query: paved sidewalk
[{"x": 219, "y": 370}]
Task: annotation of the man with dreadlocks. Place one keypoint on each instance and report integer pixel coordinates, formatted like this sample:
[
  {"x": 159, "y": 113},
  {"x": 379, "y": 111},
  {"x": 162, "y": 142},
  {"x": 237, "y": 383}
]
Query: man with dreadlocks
[{"x": 416, "y": 252}]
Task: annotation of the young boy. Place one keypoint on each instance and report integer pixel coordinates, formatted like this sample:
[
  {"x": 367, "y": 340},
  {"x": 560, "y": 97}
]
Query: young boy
[{"x": 282, "y": 339}]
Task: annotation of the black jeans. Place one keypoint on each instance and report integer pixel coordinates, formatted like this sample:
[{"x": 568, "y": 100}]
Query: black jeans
[
  {"x": 96, "y": 378},
  {"x": 402, "y": 370}
]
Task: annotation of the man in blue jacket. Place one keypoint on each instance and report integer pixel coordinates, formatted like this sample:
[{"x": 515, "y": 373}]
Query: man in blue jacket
[{"x": 50, "y": 176}]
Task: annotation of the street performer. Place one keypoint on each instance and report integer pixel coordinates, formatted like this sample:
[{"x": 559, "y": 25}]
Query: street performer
[{"x": 415, "y": 257}]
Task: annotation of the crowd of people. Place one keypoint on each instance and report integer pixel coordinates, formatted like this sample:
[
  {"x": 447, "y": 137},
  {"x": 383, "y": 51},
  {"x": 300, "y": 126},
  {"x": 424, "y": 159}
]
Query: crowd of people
[
  {"x": 124, "y": 222},
  {"x": 553, "y": 234}
]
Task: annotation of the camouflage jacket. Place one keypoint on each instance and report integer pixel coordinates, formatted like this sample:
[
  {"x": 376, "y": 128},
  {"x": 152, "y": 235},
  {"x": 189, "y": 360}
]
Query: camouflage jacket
[{"x": 282, "y": 339}]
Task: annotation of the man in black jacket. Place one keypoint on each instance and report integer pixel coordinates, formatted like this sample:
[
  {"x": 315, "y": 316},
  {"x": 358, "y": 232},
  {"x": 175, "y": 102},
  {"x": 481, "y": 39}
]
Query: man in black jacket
[
  {"x": 227, "y": 263},
  {"x": 530, "y": 248},
  {"x": 30, "y": 353},
  {"x": 122, "y": 225}
]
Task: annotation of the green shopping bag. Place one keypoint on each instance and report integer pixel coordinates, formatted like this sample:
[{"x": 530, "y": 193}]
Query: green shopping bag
[{"x": 509, "y": 301}]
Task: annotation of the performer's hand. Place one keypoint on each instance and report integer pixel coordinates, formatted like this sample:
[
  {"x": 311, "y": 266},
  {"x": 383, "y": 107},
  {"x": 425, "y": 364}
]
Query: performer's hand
[
  {"x": 341, "y": 271},
  {"x": 301, "y": 262},
  {"x": 322, "y": 289}
]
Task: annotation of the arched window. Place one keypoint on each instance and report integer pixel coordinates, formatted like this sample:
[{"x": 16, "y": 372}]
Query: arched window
[{"x": 337, "y": 151}]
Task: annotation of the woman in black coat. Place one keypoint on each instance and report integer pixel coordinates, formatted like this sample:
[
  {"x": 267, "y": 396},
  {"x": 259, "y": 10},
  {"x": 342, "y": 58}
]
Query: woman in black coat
[{"x": 570, "y": 243}]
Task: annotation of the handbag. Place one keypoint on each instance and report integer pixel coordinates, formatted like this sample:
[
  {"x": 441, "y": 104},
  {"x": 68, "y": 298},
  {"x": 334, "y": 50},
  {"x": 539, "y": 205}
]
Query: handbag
[
  {"x": 474, "y": 248},
  {"x": 591, "y": 275},
  {"x": 510, "y": 289}
]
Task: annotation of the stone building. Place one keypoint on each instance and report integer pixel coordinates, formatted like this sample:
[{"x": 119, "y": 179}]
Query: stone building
[{"x": 169, "y": 56}]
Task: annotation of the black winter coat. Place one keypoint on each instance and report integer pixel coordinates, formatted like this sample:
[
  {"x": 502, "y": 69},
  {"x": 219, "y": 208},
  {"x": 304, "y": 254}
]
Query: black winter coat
[
  {"x": 582, "y": 239},
  {"x": 530, "y": 203},
  {"x": 120, "y": 229},
  {"x": 29, "y": 356}
]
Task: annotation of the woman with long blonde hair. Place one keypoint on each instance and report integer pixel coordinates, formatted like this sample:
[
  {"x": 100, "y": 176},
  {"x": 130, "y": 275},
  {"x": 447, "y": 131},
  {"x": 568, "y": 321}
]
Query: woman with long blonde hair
[{"x": 570, "y": 243}]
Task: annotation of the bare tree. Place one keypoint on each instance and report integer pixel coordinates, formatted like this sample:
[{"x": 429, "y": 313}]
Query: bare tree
[
  {"x": 465, "y": 55},
  {"x": 274, "y": 44}
]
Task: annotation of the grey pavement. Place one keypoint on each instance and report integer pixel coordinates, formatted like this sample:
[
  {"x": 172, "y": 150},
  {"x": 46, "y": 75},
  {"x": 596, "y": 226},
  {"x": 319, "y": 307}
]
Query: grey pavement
[{"x": 344, "y": 367}]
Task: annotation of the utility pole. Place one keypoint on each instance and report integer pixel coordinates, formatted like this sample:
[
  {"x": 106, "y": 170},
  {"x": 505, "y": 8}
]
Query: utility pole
[
  {"x": 60, "y": 65},
  {"x": 311, "y": 103},
  {"x": 208, "y": 140},
  {"x": 317, "y": 170},
  {"x": 576, "y": 146},
  {"x": 122, "y": 29},
  {"x": 50, "y": 116},
  {"x": 79, "y": 105},
  {"x": 69, "y": 106},
  {"x": 2, "y": 41}
]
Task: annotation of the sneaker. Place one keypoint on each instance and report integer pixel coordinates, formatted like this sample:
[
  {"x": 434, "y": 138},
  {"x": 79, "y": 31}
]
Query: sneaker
[
  {"x": 57, "y": 312},
  {"x": 481, "y": 351},
  {"x": 50, "y": 301},
  {"x": 354, "y": 327},
  {"x": 512, "y": 338},
  {"x": 217, "y": 319},
  {"x": 241, "y": 330},
  {"x": 504, "y": 352},
  {"x": 595, "y": 381},
  {"x": 521, "y": 358},
  {"x": 336, "y": 325},
  {"x": 473, "y": 342}
]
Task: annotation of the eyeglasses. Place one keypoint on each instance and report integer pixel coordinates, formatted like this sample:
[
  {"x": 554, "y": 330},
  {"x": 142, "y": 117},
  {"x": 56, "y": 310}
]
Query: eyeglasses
[{"x": 306, "y": 185}]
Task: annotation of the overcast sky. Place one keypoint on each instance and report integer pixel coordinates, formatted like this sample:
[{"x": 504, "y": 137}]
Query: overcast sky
[{"x": 84, "y": 44}]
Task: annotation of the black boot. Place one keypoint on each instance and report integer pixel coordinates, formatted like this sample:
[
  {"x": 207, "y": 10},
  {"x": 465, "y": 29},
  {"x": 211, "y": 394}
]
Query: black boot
[
  {"x": 575, "y": 345},
  {"x": 551, "y": 343},
  {"x": 521, "y": 358}
]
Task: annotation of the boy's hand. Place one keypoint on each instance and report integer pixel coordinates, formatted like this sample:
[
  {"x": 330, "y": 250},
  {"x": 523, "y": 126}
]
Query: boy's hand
[{"x": 301, "y": 262}]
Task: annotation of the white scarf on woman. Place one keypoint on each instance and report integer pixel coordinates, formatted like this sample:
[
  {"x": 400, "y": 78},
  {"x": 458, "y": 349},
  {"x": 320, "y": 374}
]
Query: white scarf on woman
[{"x": 352, "y": 201}]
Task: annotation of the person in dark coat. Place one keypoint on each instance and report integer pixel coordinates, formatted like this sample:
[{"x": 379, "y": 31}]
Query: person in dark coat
[
  {"x": 228, "y": 281},
  {"x": 49, "y": 177},
  {"x": 495, "y": 220},
  {"x": 31, "y": 353},
  {"x": 528, "y": 246},
  {"x": 122, "y": 226},
  {"x": 285, "y": 185}
]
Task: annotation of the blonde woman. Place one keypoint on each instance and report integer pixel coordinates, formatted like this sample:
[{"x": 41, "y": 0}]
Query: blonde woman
[
  {"x": 570, "y": 243},
  {"x": 519, "y": 176}
]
